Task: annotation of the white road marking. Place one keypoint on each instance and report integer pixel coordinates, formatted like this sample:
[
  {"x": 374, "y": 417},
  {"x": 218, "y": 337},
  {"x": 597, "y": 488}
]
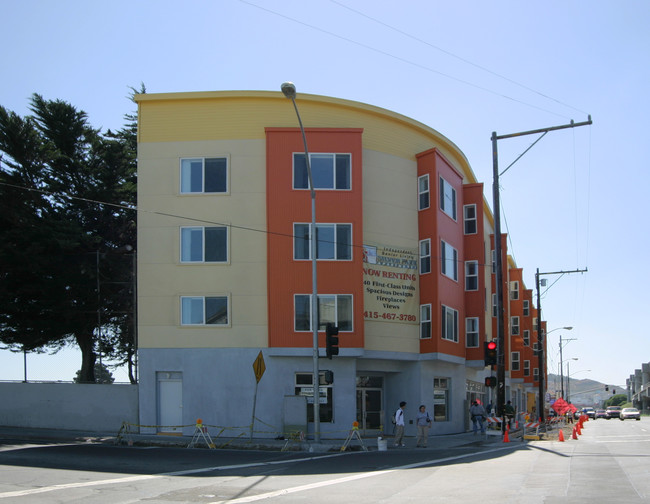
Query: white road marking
[
  {"x": 143, "y": 477},
  {"x": 354, "y": 477}
]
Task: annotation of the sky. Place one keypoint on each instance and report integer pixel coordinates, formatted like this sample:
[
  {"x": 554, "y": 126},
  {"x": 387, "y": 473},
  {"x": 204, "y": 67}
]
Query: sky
[{"x": 467, "y": 69}]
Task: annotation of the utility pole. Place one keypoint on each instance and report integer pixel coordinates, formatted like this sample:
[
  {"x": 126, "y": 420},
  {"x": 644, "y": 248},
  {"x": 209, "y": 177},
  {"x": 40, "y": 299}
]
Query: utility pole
[
  {"x": 562, "y": 366},
  {"x": 540, "y": 338},
  {"x": 501, "y": 356}
]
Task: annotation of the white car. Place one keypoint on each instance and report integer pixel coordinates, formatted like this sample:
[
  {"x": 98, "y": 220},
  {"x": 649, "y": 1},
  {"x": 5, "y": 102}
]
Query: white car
[{"x": 630, "y": 413}]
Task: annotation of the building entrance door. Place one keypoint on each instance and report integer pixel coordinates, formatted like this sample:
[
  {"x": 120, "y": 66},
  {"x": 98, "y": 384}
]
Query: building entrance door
[
  {"x": 170, "y": 402},
  {"x": 370, "y": 409}
]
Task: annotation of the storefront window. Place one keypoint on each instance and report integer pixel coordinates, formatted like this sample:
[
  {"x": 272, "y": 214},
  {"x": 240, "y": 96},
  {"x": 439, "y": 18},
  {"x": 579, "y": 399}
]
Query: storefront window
[
  {"x": 441, "y": 399},
  {"x": 304, "y": 387}
]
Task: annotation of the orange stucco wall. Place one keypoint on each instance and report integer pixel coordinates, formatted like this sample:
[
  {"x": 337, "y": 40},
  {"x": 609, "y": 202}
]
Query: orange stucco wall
[{"x": 285, "y": 206}]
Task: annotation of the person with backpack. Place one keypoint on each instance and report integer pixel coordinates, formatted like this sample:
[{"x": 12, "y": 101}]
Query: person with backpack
[
  {"x": 423, "y": 422},
  {"x": 399, "y": 424}
]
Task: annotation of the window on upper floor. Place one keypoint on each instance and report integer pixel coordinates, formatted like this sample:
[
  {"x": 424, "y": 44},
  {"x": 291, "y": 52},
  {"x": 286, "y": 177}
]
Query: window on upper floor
[
  {"x": 425, "y": 256},
  {"x": 493, "y": 255},
  {"x": 535, "y": 374},
  {"x": 204, "y": 310},
  {"x": 526, "y": 337},
  {"x": 471, "y": 332},
  {"x": 526, "y": 308},
  {"x": 514, "y": 326},
  {"x": 494, "y": 305},
  {"x": 204, "y": 175},
  {"x": 448, "y": 260},
  {"x": 425, "y": 321},
  {"x": 333, "y": 241},
  {"x": 469, "y": 218},
  {"x": 515, "y": 361},
  {"x": 447, "y": 198},
  {"x": 514, "y": 290},
  {"x": 329, "y": 171},
  {"x": 204, "y": 244},
  {"x": 471, "y": 275},
  {"x": 526, "y": 368},
  {"x": 449, "y": 323},
  {"x": 423, "y": 192},
  {"x": 334, "y": 308}
]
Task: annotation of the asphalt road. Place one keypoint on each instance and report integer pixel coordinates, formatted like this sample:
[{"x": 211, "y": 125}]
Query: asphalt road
[{"x": 610, "y": 462}]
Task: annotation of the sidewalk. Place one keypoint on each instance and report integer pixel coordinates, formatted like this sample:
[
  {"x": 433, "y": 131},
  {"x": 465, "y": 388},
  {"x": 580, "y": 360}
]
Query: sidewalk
[{"x": 326, "y": 445}]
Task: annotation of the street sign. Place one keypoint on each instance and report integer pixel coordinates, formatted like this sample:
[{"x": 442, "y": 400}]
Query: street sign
[{"x": 259, "y": 367}]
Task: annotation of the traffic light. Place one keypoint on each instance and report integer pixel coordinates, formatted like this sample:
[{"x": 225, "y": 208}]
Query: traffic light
[
  {"x": 491, "y": 381},
  {"x": 606, "y": 388},
  {"x": 329, "y": 377},
  {"x": 613, "y": 391},
  {"x": 331, "y": 340},
  {"x": 490, "y": 348}
]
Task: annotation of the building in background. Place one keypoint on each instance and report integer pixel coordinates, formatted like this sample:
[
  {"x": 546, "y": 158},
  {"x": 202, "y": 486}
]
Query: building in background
[{"x": 405, "y": 267}]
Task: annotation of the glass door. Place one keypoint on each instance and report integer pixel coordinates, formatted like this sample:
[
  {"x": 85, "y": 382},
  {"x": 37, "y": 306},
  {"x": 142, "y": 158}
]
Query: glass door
[{"x": 370, "y": 411}]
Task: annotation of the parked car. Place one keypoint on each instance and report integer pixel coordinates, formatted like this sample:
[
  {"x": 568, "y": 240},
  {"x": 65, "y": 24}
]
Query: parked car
[
  {"x": 590, "y": 412},
  {"x": 613, "y": 412},
  {"x": 630, "y": 413},
  {"x": 601, "y": 413}
]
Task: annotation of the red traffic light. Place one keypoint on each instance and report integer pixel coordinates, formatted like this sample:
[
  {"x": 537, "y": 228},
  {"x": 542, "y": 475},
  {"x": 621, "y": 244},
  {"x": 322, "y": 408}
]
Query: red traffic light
[
  {"x": 492, "y": 345},
  {"x": 490, "y": 353}
]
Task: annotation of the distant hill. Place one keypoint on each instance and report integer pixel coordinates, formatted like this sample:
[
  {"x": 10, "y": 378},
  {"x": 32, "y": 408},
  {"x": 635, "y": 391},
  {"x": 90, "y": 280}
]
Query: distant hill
[{"x": 584, "y": 392}]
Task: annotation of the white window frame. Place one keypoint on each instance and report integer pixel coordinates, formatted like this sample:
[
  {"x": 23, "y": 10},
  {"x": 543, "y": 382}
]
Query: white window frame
[
  {"x": 335, "y": 244},
  {"x": 319, "y": 174},
  {"x": 514, "y": 290},
  {"x": 191, "y": 302},
  {"x": 449, "y": 324},
  {"x": 471, "y": 275},
  {"x": 526, "y": 308},
  {"x": 493, "y": 255},
  {"x": 514, "y": 326},
  {"x": 448, "y": 201},
  {"x": 526, "y": 368},
  {"x": 425, "y": 321},
  {"x": 186, "y": 232},
  {"x": 494, "y": 304},
  {"x": 471, "y": 332},
  {"x": 448, "y": 260},
  {"x": 536, "y": 374},
  {"x": 515, "y": 361},
  {"x": 527, "y": 337},
  {"x": 328, "y": 311},
  {"x": 185, "y": 176},
  {"x": 425, "y": 256},
  {"x": 424, "y": 192},
  {"x": 470, "y": 221}
]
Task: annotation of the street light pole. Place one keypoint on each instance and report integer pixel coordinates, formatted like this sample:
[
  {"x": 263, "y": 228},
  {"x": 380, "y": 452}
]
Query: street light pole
[{"x": 289, "y": 90}]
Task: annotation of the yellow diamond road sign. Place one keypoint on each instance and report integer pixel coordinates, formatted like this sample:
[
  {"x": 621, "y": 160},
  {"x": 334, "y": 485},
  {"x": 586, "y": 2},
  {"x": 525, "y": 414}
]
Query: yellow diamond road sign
[{"x": 259, "y": 367}]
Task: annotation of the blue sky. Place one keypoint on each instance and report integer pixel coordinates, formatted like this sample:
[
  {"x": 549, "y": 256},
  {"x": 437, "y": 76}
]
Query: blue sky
[{"x": 466, "y": 69}]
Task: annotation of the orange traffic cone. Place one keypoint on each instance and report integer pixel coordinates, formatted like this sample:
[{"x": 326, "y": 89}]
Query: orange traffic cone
[
  {"x": 561, "y": 436},
  {"x": 575, "y": 433},
  {"x": 578, "y": 429},
  {"x": 506, "y": 438}
]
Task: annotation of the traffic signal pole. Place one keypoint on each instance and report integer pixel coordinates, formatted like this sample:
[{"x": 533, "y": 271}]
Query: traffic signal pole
[{"x": 499, "y": 287}]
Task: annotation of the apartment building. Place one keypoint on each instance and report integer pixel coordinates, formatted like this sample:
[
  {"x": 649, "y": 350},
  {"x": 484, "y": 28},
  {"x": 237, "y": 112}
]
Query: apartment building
[{"x": 404, "y": 266}]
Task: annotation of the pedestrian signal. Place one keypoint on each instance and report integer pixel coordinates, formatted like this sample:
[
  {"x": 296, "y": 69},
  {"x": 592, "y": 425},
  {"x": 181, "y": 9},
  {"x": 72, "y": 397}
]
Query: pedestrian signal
[{"x": 331, "y": 340}]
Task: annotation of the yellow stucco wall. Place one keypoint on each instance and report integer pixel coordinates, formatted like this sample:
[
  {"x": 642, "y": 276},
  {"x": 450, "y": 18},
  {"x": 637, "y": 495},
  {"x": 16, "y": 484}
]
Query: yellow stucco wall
[{"x": 172, "y": 126}]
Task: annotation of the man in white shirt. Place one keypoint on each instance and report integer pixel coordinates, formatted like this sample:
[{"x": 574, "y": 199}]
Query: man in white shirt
[{"x": 399, "y": 425}]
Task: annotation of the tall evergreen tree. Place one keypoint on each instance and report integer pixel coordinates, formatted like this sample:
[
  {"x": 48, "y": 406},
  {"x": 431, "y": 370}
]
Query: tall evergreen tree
[{"x": 62, "y": 281}]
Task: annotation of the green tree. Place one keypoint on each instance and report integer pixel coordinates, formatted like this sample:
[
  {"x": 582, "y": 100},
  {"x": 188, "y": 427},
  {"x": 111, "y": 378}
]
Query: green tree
[
  {"x": 58, "y": 243},
  {"x": 102, "y": 374},
  {"x": 616, "y": 400}
]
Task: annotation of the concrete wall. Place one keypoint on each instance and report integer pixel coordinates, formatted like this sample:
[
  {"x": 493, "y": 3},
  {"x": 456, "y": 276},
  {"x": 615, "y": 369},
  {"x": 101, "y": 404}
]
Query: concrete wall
[{"x": 70, "y": 406}]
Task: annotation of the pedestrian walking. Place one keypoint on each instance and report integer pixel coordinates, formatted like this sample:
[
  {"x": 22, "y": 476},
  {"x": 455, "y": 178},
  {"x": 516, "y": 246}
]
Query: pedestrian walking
[
  {"x": 399, "y": 424},
  {"x": 423, "y": 421},
  {"x": 478, "y": 414}
]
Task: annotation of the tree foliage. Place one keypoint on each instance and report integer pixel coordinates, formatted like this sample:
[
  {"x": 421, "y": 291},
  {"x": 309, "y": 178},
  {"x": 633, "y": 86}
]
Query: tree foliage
[
  {"x": 64, "y": 278},
  {"x": 616, "y": 400}
]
